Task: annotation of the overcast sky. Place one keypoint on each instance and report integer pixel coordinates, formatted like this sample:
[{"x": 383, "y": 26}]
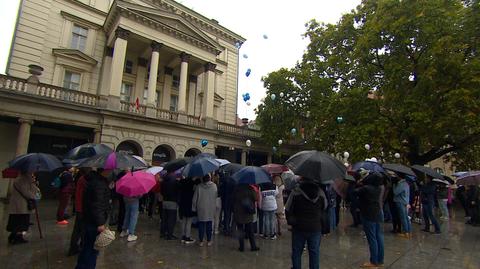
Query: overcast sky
[{"x": 281, "y": 22}]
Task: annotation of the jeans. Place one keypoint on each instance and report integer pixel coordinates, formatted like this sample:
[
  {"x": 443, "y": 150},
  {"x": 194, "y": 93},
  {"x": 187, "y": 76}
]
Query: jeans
[
  {"x": 202, "y": 225},
  {"x": 131, "y": 216},
  {"x": 88, "y": 256},
  {"x": 246, "y": 230},
  {"x": 313, "y": 244},
  {"x": 403, "y": 214},
  {"x": 187, "y": 227},
  {"x": 374, "y": 233},
  {"x": 428, "y": 215},
  {"x": 332, "y": 216},
  {"x": 442, "y": 203},
  {"x": 269, "y": 223},
  {"x": 63, "y": 199}
]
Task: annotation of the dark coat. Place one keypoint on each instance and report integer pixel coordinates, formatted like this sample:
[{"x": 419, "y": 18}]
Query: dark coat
[
  {"x": 305, "y": 208},
  {"x": 428, "y": 192},
  {"x": 369, "y": 202},
  {"x": 243, "y": 194},
  {"x": 171, "y": 189},
  {"x": 96, "y": 199},
  {"x": 186, "y": 194}
]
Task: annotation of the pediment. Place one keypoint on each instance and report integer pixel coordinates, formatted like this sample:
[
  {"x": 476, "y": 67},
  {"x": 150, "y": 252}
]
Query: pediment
[
  {"x": 75, "y": 55},
  {"x": 172, "y": 21}
]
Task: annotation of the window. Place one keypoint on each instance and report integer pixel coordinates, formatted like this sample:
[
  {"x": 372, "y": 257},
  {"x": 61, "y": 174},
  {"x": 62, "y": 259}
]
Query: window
[
  {"x": 79, "y": 38},
  {"x": 128, "y": 67},
  {"x": 175, "y": 81},
  {"x": 126, "y": 92},
  {"x": 174, "y": 103},
  {"x": 71, "y": 80}
]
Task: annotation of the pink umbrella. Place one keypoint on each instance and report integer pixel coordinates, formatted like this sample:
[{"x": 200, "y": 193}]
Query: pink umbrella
[{"x": 135, "y": 184}]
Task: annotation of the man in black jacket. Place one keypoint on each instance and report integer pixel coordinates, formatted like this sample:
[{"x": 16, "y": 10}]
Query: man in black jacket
[
  {"x": 95, "y": 212},
  {"x": 171, "y": 195},
  {"x": 305, "y": 212},
  {"x": 428, "y": 193}
]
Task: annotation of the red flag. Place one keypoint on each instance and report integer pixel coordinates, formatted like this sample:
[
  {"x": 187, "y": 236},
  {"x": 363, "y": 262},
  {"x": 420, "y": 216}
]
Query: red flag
[{"x": 137, "y": 104}]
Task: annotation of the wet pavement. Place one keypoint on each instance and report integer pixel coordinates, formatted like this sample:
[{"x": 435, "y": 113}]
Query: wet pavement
[{"x": 457, "y": 247}]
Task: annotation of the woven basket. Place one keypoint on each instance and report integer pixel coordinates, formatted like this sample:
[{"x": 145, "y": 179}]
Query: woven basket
[{"x": 104, "y": 239}]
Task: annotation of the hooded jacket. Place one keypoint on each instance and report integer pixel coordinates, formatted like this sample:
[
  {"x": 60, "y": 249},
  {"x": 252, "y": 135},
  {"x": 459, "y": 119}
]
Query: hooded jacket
[
  {"x": 306, "y": 207},
  {"x": 204, "y": 200},
  {"x": 96, "y": 199},
  {"x": 401, "y": 192},
  {"x": 243, "y": 194},
  {"x": 369, "y": 198}
]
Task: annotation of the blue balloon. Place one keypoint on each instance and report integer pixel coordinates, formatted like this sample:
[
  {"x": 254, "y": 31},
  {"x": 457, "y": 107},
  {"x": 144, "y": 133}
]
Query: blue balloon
[
  {"x": 274, "y": 149},
  {"x": 248, "y": 72},
  {"x": 245, "y": 56},
  {"x": 238, "y": 45},
  {"x": 204, "y": 142},
  {"x": 265, "y": 37},
  {"x": 293, "y": 131}
]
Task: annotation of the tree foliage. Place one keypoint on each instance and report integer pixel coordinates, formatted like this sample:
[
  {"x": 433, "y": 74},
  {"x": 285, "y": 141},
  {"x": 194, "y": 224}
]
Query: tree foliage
[{"x": 403, "y": 75}]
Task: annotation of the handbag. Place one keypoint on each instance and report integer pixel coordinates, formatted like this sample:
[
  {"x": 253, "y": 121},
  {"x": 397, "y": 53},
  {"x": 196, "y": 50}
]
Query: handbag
[
  {"x": 31, "y": 203},
  {"x": 104, "y": 239}
]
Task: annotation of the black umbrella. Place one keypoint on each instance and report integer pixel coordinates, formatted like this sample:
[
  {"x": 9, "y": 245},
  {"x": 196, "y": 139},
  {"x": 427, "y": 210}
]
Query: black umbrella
[
  {"x": 316, "y": 165},
  {"x": 35, "y": 162},
  {"x": 426, "y": 170},
  {"x": 400, "y": 168},
  {"x": 78, "y": 154},
  {"x": 176, "y": 164},
  {"x": 230, "y": 169},
  {"x": 113, "y": 160}
]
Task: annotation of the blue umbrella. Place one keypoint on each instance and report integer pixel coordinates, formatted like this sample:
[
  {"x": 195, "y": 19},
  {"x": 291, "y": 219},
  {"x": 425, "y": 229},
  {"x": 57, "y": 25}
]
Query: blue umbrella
[
  {"x": 35, "y": 162},
  {"x": 252, "y": 175},
  {"x": 200, "y": 167},
  {"x": 368, "y": 165}
]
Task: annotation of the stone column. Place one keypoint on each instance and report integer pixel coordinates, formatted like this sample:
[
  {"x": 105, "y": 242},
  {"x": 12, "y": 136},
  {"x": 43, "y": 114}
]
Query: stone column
[
  {"x": 140, "y": 79},
  {"x": 97, "y": 136},
  {"x": 182, "y": 88},
  {"x": 167, "y": 88},
  {"x": 152, "y": 80},
  {"x": 23, "y": 136},
  {"x": 208, "y": 95},
  {"x": 244, "y": 157},
  {"x": 118, "y": 63},
  {"x": 106, "y": 72},
  {"x": 192, "y": 86}
]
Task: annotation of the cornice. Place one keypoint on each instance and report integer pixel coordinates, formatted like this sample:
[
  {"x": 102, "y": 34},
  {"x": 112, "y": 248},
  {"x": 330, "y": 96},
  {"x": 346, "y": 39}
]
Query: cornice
[{"x": 79, "y": 20}]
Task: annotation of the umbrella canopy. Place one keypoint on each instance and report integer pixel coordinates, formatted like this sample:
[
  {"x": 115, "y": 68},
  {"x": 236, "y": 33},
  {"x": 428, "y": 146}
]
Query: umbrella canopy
[
  {"x": 35, "y": 162},
  {"x": 469, "y": 179},
  {"x": 316, "y": 165},
  {"x": 141, "y": 160},
  {"x": 78, "y": 154},
  {"x": 231, "y": 168},
  {"x": 289, "y": 179},
  {"x": 114, "y": 160},
  {"x": 368, "y": 165},
  {"x": 176, "y": 164},
  {"x": 135, "y": 184},
  {"x": 252, "y": 175},
  {"x": 460, "y": 173},
  {"x": 154, "y": 170},
  {"x": 274, "y": 168},
  {"x": 441, "y": 181},
  {"x": 204, "y": 155},
  {"x": 200, "y": 167},
  {"x": 222, "y": 161},
  {"x": 426, "y": 170},
  {"x": 400, "y": 168}
]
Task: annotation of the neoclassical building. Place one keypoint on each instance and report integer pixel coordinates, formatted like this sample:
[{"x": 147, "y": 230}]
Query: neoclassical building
[{"x": 150, "y": 77}]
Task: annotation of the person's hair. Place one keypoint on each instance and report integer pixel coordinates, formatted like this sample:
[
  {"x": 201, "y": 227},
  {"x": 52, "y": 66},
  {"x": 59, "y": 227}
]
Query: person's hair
[{"x": 206, "y": 178}]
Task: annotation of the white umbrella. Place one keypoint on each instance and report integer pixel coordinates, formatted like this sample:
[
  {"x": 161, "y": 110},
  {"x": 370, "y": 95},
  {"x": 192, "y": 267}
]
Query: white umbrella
[
  {"x": 222, "y": 162},
  {"x": 154, "y": 170}
]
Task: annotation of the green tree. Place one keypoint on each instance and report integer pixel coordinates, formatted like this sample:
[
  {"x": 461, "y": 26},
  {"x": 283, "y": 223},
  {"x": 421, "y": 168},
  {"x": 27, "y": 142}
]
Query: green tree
[{"x": 403, "y": 75}]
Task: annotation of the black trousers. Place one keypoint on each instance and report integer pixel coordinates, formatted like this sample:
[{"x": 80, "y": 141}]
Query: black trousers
[
  {"x": 121, "y": 214},
  {"x": 355, "y": 215},
  {"x": 246, "y": 230},
  {"x": 77, "y": 234},
  {"x": 396, "y": 222},
  {"x": 169, "y": 219}
]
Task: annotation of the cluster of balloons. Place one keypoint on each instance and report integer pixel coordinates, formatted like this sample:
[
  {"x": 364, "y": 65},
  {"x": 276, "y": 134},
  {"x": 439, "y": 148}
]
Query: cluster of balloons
[
  {"x": 246, "y": 97},
  {"x": 204, "y": 142}
]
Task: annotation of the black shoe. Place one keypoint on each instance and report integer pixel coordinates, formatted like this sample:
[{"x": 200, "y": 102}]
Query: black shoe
[
  {"x": 255, "y": 249},
  {"x": 241, "y": 249},
  {"x": 171, "y": 237}
]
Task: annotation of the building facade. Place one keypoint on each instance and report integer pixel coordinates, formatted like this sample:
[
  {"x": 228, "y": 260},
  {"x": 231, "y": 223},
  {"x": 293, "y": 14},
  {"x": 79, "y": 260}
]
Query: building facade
[{"x": 150, "y": 77}]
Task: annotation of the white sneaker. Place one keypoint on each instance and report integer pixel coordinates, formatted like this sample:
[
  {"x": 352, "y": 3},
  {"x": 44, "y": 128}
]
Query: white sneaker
[
  {"x": 124, "y": 233},
  {"x": 131, "y": 237}
]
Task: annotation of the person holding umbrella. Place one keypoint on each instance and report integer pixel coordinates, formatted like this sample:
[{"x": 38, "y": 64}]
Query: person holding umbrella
[
  {"x": 306, "y": 210},
  {"x": 187, "y": 190},
  {"x": 244, "y": 199},
  {"x": 427, "y": 194},
  {"x": 401, "y": 192},
  {"x": 204, "y": 203},
  {"x": 24, "y": 189}
]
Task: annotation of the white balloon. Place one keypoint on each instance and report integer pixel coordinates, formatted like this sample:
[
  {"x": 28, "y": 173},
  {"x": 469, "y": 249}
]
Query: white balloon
[
  {"x": 280, "y": 141},
  {"x": 248, "y": 143},
  {"x": 248, "y": 103},
  {"x": 346, "y": 155},
  {"x": 367, "y": 146},
  {"x": 346, "y": 164},
  {"x": 273, "y": 96},
  {"x": 281, "y": 95},
  {"x": 397, "y": 155}
]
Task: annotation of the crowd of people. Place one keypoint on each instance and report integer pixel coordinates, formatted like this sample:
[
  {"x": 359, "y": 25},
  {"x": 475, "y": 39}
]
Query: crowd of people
[{"x": 215, "y": 204}]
